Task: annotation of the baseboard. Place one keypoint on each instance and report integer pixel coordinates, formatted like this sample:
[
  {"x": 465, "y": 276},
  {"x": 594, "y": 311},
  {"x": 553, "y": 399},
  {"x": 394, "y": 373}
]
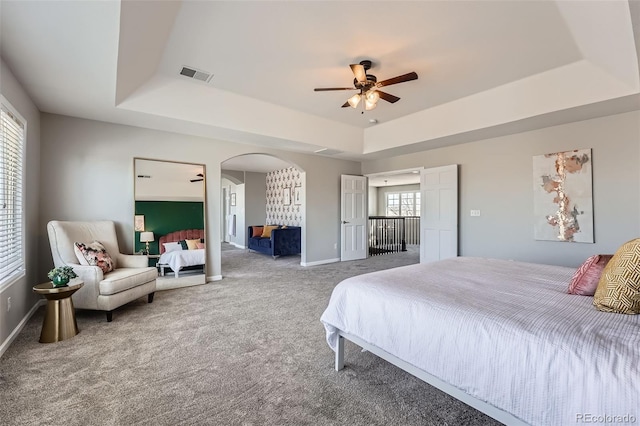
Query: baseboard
[
  {"x": 214, "y": 278},
  {"x": 320, "y": 262},
  {"x": 5, "y": 345},
  {"x": 240, "y": 246}
]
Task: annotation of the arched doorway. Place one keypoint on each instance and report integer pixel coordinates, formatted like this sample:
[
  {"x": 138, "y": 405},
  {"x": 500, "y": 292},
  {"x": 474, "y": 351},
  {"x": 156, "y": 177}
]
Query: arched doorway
[{"x": 259, "y": 189}]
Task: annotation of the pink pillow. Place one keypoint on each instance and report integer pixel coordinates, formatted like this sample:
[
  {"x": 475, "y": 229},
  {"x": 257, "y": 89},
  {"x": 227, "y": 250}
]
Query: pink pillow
[
  {"x": 199, "y": 245},
  {"x": 586, "y": 278}
]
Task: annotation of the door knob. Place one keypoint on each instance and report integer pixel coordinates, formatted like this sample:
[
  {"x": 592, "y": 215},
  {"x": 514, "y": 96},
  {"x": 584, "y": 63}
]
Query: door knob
[{"x": 344, "y": 221}]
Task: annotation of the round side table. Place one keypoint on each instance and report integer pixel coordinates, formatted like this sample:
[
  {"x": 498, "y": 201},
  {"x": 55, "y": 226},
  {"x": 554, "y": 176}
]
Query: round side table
[{"x": 60, "y": 318}]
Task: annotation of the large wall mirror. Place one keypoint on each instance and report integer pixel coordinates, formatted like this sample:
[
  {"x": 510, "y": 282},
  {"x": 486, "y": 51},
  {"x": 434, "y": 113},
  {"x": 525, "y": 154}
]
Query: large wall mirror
[{"x": 169, "y": 222}]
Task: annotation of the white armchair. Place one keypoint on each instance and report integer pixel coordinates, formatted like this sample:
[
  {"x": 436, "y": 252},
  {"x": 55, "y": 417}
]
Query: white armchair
[{"x": 131, "y": 279}]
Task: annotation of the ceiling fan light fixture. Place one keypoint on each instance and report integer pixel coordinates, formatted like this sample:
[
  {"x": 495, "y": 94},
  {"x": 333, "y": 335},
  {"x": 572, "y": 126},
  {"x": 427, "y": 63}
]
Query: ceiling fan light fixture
[
  {"x": 368, "y": 106},
  {"x": 354, "y": 100},
  {"x": 373, "y": 96}
]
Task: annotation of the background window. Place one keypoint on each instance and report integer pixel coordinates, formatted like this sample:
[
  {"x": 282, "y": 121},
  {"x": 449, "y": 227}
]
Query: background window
[
  {"x": 403, "y": 204},
  {"x": 11, "y": 212},
  {"x": 393, "y": 204}
]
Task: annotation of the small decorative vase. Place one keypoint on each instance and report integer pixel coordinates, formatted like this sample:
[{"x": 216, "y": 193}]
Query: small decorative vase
[{"x": 59, "y": 281}]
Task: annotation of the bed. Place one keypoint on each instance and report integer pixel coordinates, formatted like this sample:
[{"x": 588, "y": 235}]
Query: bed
[
  {"x": 502, "y": 336},
  {"x": 183, "y": 259}
]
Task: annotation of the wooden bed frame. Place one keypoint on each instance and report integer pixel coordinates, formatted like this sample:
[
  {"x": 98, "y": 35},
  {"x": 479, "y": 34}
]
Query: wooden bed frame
[
  {"x": 488, "y": 409},
  {"x": 174, "y": 237}
]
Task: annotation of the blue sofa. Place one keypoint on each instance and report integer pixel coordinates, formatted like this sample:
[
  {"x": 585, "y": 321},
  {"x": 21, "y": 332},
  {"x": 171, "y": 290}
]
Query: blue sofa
[{"x": 283, "y": 241}]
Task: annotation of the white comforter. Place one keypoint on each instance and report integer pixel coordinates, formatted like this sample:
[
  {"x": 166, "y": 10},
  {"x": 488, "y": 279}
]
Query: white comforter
[
  {"x": 504, "y": 332},
  {"x": 182, "y": 258}
]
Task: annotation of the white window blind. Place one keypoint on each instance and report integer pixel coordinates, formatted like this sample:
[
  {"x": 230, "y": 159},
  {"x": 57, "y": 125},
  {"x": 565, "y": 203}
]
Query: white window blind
[{"x": 11, "y": 212}]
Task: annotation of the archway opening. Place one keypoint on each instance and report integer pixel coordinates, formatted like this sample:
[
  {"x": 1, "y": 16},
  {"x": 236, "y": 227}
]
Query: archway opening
[{"x": 259, "y": 189}]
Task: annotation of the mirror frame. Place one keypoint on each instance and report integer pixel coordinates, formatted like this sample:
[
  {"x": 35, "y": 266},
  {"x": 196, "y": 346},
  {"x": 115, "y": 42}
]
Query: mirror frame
[{"x": 204, "y": 202}]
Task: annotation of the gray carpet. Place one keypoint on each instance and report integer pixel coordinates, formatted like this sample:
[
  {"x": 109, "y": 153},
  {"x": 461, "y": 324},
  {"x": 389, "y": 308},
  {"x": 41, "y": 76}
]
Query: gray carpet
[{"x": 247, "y": 350}]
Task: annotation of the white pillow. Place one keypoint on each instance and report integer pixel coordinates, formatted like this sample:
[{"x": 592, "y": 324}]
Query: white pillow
[{"x": 169, "y": 247}]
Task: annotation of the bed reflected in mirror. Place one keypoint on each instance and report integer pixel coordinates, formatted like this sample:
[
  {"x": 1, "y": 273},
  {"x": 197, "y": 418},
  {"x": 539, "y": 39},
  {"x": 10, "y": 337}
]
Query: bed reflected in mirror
[{"x": 169, "y": 222}]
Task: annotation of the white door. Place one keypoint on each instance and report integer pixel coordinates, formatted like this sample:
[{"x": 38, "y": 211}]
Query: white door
[
  {"x": 439, "y": 218},
  {"x": 353, "y": 218}
]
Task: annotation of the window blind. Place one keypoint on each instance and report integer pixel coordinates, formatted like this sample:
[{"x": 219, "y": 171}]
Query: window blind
[{"x": 11, "y": 202}]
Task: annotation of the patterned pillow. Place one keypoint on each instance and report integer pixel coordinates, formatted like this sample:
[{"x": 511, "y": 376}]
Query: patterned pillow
[
  {"x": 257, "y": 231},
  {"x": 586, "y": 278},
  {"x": 184, "y": 245},
  {"x": 619, "y": 286},
  {"x": 94, "y": 254}
]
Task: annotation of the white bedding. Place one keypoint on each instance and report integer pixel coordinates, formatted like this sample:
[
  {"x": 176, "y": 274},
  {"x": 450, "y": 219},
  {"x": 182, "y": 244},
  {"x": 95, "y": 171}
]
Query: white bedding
[
  {"x": 504, "y": 332},
  {"x": 182, "y": 258}
]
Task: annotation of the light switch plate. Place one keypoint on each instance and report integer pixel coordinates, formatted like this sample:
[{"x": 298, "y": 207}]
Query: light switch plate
[{"x": 475, "y": 212}]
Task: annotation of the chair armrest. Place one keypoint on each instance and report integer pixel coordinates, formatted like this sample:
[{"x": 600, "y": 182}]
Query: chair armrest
[
  {"x": 132, "y": 261},
  {"x": 87, "y": 296},
  {"x": 88, "y": 274},
  {"x": 285, "y": 241}
]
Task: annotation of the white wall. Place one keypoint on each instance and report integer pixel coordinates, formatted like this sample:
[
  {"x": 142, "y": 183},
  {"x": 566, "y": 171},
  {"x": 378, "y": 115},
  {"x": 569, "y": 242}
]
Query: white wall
[
  {"x": 96, "y": 179},
  {"x": 22, "y": 298},
  {"x": 496, "y": 177}
]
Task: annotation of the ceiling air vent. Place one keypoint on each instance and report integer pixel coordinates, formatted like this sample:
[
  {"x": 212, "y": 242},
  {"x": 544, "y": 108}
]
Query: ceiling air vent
[
  {"x": 196, "y": 74},
  {"x": 327, "y": 151}
]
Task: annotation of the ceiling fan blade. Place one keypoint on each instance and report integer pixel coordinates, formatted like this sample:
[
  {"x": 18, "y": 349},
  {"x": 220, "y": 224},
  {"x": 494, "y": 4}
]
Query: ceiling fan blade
[
  {"x": 388, "y": 97},
  {"x": 346, "y": 104},
  {"x": 359, "y": 72},
  {"x": 324, "y": 89},
  {"x": 399, "y": 79}
]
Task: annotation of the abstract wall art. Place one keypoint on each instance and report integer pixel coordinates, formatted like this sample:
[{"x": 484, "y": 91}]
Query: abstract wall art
[{"x": 563, "y": 196}]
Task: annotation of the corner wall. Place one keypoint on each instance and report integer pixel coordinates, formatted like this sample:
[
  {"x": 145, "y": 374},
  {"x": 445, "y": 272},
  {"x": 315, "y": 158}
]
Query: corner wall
[{"x": 496, "y": 177}]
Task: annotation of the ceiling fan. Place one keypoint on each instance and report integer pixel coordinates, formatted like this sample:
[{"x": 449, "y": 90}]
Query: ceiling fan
[
  {"x": 200, "y": 178},
  {"x": 368, "y": 86}
]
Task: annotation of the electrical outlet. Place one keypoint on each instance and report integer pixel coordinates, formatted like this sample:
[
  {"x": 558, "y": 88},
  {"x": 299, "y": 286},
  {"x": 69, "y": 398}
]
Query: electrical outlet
[
  {"x": 8, "y": 304},
  {"x": 475, "y": 212}
]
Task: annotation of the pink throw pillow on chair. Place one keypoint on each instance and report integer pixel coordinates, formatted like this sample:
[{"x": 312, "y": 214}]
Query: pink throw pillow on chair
[{"x": 585, "y": 280}]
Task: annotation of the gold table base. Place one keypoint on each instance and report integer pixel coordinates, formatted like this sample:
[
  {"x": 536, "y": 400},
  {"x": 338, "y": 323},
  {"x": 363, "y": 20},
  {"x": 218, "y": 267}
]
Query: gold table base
[{"x": 59, "y": 319}]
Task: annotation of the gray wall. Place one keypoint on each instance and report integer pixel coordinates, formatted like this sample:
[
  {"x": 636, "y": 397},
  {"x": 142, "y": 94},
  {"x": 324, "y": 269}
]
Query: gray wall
[
  {"x": 88, "y": 175},
  {"x": 373, "y": 201},
  {"x": 22, "y": 297},
  {"x": 255, "y": 199},
  {"x": 496, "y": 177},
  {"x": 382, "y": 195}
]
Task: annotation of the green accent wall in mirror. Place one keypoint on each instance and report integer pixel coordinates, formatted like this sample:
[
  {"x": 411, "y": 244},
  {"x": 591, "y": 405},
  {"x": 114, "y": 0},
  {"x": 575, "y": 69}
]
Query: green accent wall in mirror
[
  {"x": 170, "y": 196},
  {"x": 162, "y": 217}
]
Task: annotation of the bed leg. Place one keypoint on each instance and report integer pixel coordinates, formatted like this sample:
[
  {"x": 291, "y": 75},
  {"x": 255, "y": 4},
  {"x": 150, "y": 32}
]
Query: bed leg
[{"x": 340, "y": 354}]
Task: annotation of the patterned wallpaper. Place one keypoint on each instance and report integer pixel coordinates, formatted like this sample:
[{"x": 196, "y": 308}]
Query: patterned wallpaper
[{"x": 279, "y": 212}]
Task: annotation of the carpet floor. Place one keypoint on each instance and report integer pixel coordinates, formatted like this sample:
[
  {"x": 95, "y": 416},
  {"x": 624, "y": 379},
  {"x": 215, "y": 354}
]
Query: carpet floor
[{"x": 247, "y": 350}]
